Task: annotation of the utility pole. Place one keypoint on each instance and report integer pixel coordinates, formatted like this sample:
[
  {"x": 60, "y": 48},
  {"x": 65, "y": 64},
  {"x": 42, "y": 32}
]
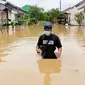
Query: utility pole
[{"x": 60, "y": 5}]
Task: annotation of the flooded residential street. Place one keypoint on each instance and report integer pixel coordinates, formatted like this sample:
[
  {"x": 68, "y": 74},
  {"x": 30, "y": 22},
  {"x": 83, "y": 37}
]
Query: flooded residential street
[{"x": 21, "y": 65}]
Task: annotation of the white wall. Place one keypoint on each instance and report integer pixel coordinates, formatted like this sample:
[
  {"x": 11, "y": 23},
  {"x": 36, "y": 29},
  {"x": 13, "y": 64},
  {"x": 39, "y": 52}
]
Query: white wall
[
  {"x": 12, "y": 14},
  {"x": 74, "y": 11},
  {"x": 12, "y": 17},
  {"x": 2, "y": 17}
]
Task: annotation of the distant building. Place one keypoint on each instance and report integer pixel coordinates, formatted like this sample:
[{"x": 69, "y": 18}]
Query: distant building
[
  {"x": 26, "y": 8},
  {"x": 74, "y": 10},
  {"x": 9, "y": 11}
]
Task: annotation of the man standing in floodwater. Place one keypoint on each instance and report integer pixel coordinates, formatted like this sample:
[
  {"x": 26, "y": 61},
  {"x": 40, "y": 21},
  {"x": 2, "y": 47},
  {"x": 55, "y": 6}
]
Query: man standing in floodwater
[{"x": 47, "y": 44}]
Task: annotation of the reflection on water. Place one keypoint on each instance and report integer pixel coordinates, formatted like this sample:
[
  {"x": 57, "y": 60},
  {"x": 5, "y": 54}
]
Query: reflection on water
[
  {"x": 2, "y": 60},
  {"x": 20, "y": 65},
  {"x": 47, "y": 79},
  {"x": 48, "y": 67}
]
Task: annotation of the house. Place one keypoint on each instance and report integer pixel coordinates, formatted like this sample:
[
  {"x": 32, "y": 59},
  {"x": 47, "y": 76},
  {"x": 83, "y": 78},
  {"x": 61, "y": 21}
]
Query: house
[
  {"x": 26, "y": 8},
  {"x": 83, "y": 9},
  {"x": 72, "y": 11},
  {"x": 9, "y": 11},
  {"x": 2, "y": 14}
]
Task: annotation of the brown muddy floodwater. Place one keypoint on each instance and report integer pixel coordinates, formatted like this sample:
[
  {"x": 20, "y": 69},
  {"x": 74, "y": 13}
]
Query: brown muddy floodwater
[{"x": 21, "y": 65}]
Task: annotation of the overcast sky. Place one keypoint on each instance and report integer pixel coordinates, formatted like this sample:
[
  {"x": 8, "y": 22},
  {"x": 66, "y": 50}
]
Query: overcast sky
[{"x": 46, "y": 4}]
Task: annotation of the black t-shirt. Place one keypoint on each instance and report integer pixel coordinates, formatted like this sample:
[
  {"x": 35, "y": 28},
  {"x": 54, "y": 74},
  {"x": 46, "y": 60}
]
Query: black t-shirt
[{"x": 49, "y": 43}]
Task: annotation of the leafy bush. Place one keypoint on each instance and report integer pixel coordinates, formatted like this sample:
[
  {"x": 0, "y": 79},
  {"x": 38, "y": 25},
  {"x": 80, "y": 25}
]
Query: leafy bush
[
  {"x": 32, "y": 21},
  {"x": 79, "y": 18},
  {"x": 20, "y": 22}
]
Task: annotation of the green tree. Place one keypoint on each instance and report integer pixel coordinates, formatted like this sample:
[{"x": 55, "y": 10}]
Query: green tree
[
  {"x": 79, "y": 18},
  {"x": 53, "y": 14},
  {"x": 36, "y": 12},
  {"x": 62, "y": 18},
  {"x": 44, "y": 16}
]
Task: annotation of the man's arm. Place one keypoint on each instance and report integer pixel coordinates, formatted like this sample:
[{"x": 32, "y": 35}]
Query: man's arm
[
  {"x": 60, "y": 50},
  {"x": 38, "y": 50},
  {"x": 58, "y": 54},
  {"x": 59, "y": 46}
]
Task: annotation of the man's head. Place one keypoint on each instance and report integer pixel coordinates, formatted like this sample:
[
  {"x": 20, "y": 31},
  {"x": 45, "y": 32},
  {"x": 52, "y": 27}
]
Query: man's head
[{"x": 47, "y": 29}]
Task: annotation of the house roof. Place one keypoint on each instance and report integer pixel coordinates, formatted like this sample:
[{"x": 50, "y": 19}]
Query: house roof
[
  {"x": 80, "y": 3},
  {"x": 26, "y": 8},
  {"x": 2, "y": 7},
  {"x": 10, "y": 5},
  {"x": 81, "y": 7},
  {"x": 67, "y": 9}
]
